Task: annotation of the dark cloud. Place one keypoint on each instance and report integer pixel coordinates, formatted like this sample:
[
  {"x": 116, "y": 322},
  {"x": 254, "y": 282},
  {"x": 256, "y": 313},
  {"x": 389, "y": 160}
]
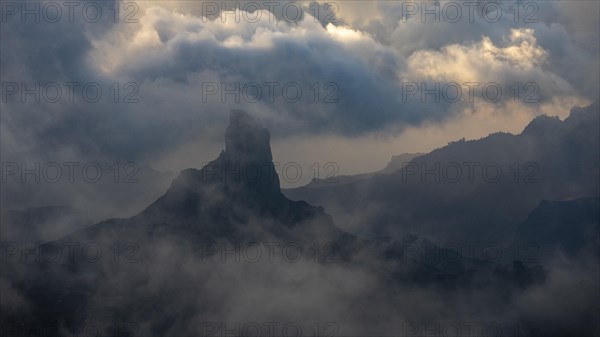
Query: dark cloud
[{"x": 359, "y": 66}]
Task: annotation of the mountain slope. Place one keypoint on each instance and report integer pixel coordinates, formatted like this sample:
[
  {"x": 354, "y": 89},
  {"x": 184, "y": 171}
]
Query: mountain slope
[
  {"x": 473, "y": 190},
  {"x": 42, "y": 224},
  {"x": 194, "y": 256},
  {"x": 564, "y": 227}
]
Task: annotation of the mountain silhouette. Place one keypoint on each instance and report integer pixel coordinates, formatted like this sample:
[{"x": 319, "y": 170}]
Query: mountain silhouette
[
  {"x": 155, "y": 269},
  {"x": 567, "y": 227},
  {"x": 233, "y": 200},
  {"x": 239, "y": 184},
  {"x": 472, "y": 190}
]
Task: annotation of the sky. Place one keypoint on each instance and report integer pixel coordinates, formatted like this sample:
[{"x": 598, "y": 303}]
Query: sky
[{"x": 349, "y": 82}]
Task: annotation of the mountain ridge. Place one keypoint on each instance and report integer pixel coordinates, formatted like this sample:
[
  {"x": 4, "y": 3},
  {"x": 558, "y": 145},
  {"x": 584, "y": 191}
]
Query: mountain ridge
[{"x": 542, "y": 162}]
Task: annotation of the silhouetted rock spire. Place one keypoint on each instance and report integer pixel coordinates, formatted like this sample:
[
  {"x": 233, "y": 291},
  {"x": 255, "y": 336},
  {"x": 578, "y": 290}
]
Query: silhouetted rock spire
[
  {"x": 246, "y": 140},
  {"x": 243, "y": 174}
]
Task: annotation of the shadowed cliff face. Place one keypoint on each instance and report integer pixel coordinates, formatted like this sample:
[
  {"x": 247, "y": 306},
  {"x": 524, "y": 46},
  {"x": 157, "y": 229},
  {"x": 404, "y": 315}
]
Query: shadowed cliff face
[
  {"x": 246, "y": 140},
  {"x": 239, "y": 186},
  {"x": 247, "y": 158},
  {"x": 236, "y": 196}
]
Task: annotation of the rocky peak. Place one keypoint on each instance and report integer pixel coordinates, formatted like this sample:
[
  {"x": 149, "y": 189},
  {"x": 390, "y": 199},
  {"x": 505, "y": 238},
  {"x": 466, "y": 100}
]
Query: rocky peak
[
  {"x": 542, "y": 126},
  {"x": 246, "y": 140},
  {"x": 243, "y": 174}
]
